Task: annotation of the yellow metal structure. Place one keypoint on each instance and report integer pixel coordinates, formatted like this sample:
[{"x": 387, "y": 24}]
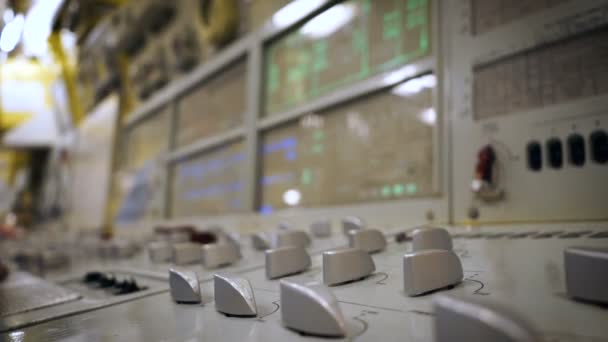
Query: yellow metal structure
[{"x": 68, "y": 72}]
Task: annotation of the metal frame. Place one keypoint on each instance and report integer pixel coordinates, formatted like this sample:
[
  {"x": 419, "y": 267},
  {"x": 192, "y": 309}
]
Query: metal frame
[{"x": 251, "y": 46}]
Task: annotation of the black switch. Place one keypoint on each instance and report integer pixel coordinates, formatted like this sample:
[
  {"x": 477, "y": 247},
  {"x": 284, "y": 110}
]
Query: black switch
[
  {"x": 535, "y": 156},
  {"x": 576, "y": 150},
  {"x": 599, "y": 147},
  {"x": 555, "y": 153}
]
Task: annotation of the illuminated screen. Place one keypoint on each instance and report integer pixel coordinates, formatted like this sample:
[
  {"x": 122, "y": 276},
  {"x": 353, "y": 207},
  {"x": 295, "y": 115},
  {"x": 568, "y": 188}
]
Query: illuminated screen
[
  {"x": 136, "y": 184},
  {"x": 489, "y": 14},
  {"x": 348, "y": 42},
  {"x": 215, "y": 106},
  {"x": 375, "y": 148},
  {"x": 210, "y": 183},
  {"x": 548, "y": 75}
]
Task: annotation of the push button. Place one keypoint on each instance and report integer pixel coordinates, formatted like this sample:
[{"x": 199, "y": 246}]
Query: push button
[
  {"x": 535, "y": 156},
  {"x": 576, "y": 150},
  {"x": 555, "y": 153},
  {"x": 599, "y": 147}
]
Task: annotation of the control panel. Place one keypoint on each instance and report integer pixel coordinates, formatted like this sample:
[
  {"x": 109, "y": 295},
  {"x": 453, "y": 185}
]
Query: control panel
[
  {"x": 529, "y": 125},
  {"x": 524, "y": 283}
]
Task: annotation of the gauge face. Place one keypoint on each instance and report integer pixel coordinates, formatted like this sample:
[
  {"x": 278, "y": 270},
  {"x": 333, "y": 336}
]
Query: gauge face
[
  {"x": 346, "y": 43},
  {"x": 376, "y": 148}
]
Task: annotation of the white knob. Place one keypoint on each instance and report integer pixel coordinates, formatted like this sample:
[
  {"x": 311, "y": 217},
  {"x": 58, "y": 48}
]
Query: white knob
[
  {"x": 261, "y": 241},
  {"x": 369, "y": 240},
  {"x": 459, "y": 319},
  {"x": 220, "y": 254},
  {"x": 311, "y": 309},
  {"x": 344, "y": 265},
  {"x": 186, "y": 253},
  {"x": 430, "y": 270},
  {"x": 587, "y": 273},
  {"x": 234, "y": 295},
  {"x": 321, "y": 228},
  {"x": 285, "y": 261},
  {"x": 184, "y": 286},
  {"x": 159, "y": 251},
  {"x": 292, "y": 238},
  {"x": 351, "y": 223},
  {"x": 431, "y": 238}
]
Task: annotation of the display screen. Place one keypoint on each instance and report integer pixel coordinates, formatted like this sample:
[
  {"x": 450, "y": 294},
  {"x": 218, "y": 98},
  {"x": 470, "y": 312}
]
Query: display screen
[
  {"x": 489, "y": 14},
  {"x": 215, "y": 106},
  {"x": 552, "y": 74},
  {"x": 348, "y": 42},
  {"x": 375, "y": 148},
  {"x": 210, "y": 183},
  {"x": 136, "y": 184}
]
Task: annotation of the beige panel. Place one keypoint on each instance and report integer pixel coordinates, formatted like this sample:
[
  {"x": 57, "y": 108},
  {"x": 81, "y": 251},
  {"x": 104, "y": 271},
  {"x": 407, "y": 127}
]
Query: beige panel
[
  {"x": 490, "y": 14},
  {"x": 554, "y": 74},
  {"x": 213, "y": 107},
  {"x": 372, "y": 149},
  {"x": 347, "y": 43},
  {"x": 208, "y": 184},
  {"x": 147, "y": 140}
]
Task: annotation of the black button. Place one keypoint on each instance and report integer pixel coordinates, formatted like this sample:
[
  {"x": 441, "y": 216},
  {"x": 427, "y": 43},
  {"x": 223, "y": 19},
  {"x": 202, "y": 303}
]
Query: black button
[
  {"x": 535, "y": 156},
  {"x": 599, "y": 147},
  {"x": 555, "y": 153},
  {"x": 576, "y": 149}
]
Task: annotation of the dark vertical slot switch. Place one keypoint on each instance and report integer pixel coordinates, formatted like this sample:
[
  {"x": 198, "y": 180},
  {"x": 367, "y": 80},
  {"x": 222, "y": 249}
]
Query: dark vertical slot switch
[
  {"x": 598, "y": 141},
  {"x": 555, "y": 153},
  {"x": 534, "y": 154},
  {"x": 576, "y": 150}
]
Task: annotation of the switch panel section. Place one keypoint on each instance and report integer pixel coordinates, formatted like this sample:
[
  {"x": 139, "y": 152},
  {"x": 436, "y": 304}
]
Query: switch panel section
[{"x": 537, "y": 93}]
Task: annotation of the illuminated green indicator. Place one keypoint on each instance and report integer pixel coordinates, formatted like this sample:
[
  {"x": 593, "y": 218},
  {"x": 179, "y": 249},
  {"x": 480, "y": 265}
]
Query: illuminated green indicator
[
  {"x": 273, "y": 78},
  {"x": 411, "y": 188},
  {"x": 413, "y": 4},
  {"x": 318, "y": 135},
  {"x": 417, "y": 18},
  {"x": 398, "y": 189},
  {"x": 320, "y": 62},
  {"x": 306, "y": 176},
  {"x": 317, "y": 148},
  {"x": 392, "y": 25},
  {"x": 386, "y": 191}
]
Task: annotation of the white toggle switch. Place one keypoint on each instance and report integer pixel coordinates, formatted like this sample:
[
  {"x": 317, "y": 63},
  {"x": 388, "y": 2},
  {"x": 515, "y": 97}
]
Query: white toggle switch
[
  {"x": 311, "y": 309},
  {"x": 369, "y": 240},
  {"x": 285, "y": 261},
  {"x": 292, "y": 238},
  {"x": 321, "y": 228},
  {"x": 220, "y": 254},
  {"x": 458, "y": 319},
  {"x": 431, "y": 238},
  {"x": 186, "y": 253},
  {"x": 159, "y": 251},
  {"x": 344, "y": 265},
  {"x": 587, "y": 273},
  {"x": 234, "y": 295},
  {"x": 351, "y": 223},
  {"x": 429, "y": 270},
  {"x": 184, "y": 286},
  {"x": 261, "y": 241}
]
